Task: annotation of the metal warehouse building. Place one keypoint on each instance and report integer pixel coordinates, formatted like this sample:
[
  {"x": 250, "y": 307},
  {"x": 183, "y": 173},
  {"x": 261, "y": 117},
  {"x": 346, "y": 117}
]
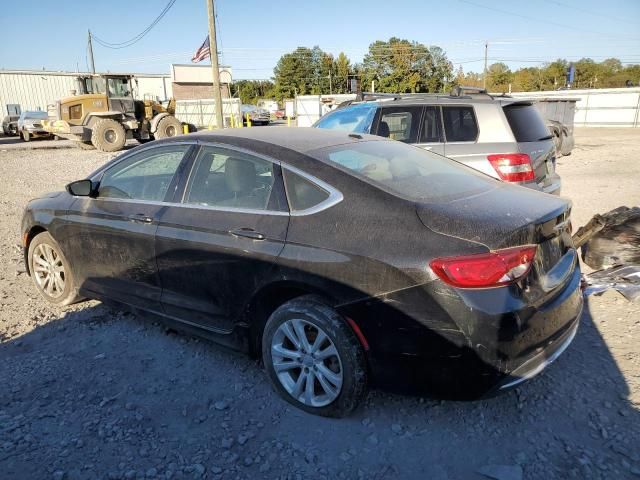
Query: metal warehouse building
[{"x": 34, "y": 90}]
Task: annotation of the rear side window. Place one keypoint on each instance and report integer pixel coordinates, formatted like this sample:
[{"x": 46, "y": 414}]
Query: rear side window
[
  {"x": 460, "y": 124},
  {"x": 350, "y": 119},
  {"x": 400, "y": 123},
  {"x": 407, "y": 170},
  {"x": 302, "y": 193},
  {"x": 526, "y": 123}
]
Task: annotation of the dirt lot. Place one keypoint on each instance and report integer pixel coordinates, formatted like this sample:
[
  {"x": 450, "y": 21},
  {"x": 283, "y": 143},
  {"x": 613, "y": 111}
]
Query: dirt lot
[{"x": 88, "y": 392}]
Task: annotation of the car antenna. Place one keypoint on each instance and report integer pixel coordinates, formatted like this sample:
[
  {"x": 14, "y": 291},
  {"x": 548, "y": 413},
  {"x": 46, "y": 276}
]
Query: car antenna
[{"x": 355, "y": 135}]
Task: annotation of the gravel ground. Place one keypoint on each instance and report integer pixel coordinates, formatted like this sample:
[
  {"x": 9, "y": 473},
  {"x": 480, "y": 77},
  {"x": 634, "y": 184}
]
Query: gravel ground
[{"x": 89, "y": 392}]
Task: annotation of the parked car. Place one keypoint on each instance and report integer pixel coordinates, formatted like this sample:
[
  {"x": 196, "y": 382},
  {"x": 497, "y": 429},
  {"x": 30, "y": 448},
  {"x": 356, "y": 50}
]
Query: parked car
[
  {"x": 258, "y": 116},
  {"x": 280, "y": 114},
  {"x": 342, "y": 260},
  {"x": 30, "y": 125},
  {"x": 10, "y": 125},
  {"x": 503, "y": 137}
]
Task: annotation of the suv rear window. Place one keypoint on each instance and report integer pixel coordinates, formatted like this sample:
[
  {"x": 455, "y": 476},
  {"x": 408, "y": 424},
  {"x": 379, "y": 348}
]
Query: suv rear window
[
  {"x": 409, "y": 171},
  {"x": 526, "y": 123},
  {"x": 460, "y": 124}
]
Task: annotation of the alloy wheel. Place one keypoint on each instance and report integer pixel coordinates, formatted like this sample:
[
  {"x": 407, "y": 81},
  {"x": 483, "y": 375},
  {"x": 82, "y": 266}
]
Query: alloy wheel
[
  {"x": 48, "y": 270},
  {"x": 306, "y": 363}
]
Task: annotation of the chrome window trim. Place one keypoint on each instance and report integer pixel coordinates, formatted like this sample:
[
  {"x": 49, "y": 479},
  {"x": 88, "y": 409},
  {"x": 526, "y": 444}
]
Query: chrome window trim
[{"x": 335, "y": 196}]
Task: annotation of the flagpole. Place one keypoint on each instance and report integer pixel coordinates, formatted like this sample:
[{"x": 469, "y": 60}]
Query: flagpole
[{"x": 215, "y": 70}]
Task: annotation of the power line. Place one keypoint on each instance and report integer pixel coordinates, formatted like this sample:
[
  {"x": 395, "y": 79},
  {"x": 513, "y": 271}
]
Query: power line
[
  {"x": 598, "y": 14},
  {"x": 138, "y": 37}
]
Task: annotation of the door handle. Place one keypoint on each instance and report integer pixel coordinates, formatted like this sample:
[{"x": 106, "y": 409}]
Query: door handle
[
  {"x": 140, "y": 217},
  {"x": 248, "y": 233}
]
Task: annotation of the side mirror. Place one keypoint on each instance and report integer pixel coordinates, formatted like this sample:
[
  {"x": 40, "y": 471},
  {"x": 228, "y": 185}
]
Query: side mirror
[{"x": 81, "y": 188}]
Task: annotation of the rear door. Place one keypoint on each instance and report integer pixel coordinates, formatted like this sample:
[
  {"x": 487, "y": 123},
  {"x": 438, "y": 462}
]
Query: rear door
[
  {"x": 534, "y": 139},
  {"x": 222, "y": 237}
]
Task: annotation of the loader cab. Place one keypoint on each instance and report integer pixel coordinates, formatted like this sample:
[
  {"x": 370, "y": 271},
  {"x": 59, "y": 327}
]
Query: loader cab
[{"x": 117, "y": 88}]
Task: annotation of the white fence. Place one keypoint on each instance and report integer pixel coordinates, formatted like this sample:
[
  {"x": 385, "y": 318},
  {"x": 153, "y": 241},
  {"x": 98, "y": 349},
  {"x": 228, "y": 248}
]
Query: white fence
[
  {"x": 604, "y": 107},
  {"x": 310, "y": 108},
  {"x": 202, "y": 113}
]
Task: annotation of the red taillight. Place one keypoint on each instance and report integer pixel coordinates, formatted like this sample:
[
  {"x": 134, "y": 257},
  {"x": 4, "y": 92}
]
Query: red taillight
[
  {"x": 484, "y": 270},
  {"x": 512, "y": 167}
]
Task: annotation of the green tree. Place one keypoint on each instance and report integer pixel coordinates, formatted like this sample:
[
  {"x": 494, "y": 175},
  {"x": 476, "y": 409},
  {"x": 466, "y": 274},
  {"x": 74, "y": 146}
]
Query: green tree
[
  {"x": 250, "y": 91},
  {"x": 343, "y": 69},
  {"x": 294, "y": 73},
  {"x": 401, "y": 66},
  {"x": 499, "y": 77}
]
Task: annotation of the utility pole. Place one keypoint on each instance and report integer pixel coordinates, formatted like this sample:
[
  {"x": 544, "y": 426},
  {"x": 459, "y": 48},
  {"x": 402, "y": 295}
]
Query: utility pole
[
  {"x": 484, "y": 75},
  {"x": 93, "y": 65},
  {"x": 215, "y": 69},
  {"x": 330, "y": 85}
]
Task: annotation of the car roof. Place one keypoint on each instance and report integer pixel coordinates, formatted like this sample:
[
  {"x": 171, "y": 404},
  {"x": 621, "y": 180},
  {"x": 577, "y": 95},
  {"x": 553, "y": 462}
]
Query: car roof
[{"x": 299, "y": 139}]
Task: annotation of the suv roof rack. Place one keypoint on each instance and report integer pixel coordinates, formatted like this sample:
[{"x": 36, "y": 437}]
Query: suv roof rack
[{"x": 460, "y": 90}]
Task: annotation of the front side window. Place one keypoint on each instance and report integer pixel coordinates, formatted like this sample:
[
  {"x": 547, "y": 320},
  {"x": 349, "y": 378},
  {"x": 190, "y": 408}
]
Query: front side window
[
  {"x": 143, "y": 176},
  {"x": 400, "y": 123},
  {"x": 350, "y": 119},
  {"x": 460, "y": 124},
  {"x": 228, "y": 178}
]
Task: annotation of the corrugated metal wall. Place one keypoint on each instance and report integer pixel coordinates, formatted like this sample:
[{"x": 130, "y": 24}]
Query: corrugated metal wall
[{"x": 35, "y": 90}]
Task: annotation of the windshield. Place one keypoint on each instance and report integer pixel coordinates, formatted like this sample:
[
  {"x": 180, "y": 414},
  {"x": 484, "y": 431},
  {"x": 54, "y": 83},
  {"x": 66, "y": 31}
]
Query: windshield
[
  {"x": 118, "y": 87},
  {"x": 408, "y": 171},
  {"x": 351, "y": 119},
  {"x": 36, "y": 115}
]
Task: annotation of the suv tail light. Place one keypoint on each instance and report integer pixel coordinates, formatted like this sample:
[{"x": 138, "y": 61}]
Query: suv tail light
[
  {"x": 512, "y": 167},
  {"x": 493, "y": 269}
]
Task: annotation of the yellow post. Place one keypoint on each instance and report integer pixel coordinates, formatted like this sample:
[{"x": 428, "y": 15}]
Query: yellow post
[
  {"x": 248, "y": 120},
  {"x": 288, "y": 121},
  {"x": 231, "y": 119},
  {"x": 209, "y": 127},
  {"x": 185, "y": 128}
]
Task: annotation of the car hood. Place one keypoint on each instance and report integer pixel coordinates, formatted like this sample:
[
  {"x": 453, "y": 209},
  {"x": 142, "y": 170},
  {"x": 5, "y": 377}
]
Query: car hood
[{"x": 501, "y": 217}]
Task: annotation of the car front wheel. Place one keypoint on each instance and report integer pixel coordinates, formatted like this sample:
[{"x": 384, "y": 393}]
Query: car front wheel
[
  {"x": 313, "y": 358},
  {"x": 50, "y": 271}
]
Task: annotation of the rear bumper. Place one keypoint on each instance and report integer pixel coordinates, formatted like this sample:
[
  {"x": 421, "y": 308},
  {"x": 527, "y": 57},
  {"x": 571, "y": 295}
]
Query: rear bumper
[
  {"x": 540, "y": 361},
  {"x": 468, "y": 346}
]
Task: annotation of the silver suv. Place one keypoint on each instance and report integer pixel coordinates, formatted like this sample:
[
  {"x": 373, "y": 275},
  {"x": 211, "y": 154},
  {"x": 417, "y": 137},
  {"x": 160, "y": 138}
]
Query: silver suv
[{"x": 501, "y": 136}]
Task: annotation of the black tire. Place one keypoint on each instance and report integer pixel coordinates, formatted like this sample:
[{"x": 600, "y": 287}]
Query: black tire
[
  {"x": 350, "y": 359},
  {"x": 108, "y": 135},
  {"x": 38, "y": 247},
  {"x": 26, "y": 136},
  {"x": 168, "y": 126}
]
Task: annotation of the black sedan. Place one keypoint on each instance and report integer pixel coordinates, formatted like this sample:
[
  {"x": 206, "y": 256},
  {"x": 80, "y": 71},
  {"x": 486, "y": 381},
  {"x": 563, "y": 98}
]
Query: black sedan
[{"x": 342, "y": 260}]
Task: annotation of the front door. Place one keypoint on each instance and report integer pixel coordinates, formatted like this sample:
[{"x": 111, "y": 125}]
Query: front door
[
  {"x": 225, "y": 236},
  {"x": 112, "y": 242}
]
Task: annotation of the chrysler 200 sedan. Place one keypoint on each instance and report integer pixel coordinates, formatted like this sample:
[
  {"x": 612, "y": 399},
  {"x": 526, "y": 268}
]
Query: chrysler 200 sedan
[{"x": 342, "y": 260}]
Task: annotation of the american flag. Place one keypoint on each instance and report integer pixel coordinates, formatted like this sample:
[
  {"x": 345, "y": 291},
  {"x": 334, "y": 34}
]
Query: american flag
[{"x": 203, "y": 52}]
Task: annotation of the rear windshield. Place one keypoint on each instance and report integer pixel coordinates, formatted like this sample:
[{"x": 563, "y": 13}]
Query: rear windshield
[
  {"x": 526, "y": 123},
  {"x": 408, "y": 171},
  {"x": 351, "y": 119}
]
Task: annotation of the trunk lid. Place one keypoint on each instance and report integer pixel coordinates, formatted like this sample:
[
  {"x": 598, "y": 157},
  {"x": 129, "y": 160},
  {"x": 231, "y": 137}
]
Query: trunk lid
[{"x": 510, "y": 216}]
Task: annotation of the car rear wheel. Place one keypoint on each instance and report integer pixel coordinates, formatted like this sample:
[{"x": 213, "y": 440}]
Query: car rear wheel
[
  {"x": 313, "y": 358},
  {"x": 50, "y": 271}
]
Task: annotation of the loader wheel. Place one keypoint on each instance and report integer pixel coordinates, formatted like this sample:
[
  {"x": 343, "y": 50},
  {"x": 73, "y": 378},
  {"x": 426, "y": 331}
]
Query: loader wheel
[
  {"x": 108, "y": 135},
  {"x": 168, "y": 127}
]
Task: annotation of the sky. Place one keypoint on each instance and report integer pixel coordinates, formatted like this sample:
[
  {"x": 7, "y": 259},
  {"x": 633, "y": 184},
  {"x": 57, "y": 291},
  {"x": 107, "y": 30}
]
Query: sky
[{"x": 252, "y": 35}]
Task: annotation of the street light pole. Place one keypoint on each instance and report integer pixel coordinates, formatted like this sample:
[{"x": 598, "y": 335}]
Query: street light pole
[
  {"x": 484, "y": 75},
  {"x": 215, "y": 69}
]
